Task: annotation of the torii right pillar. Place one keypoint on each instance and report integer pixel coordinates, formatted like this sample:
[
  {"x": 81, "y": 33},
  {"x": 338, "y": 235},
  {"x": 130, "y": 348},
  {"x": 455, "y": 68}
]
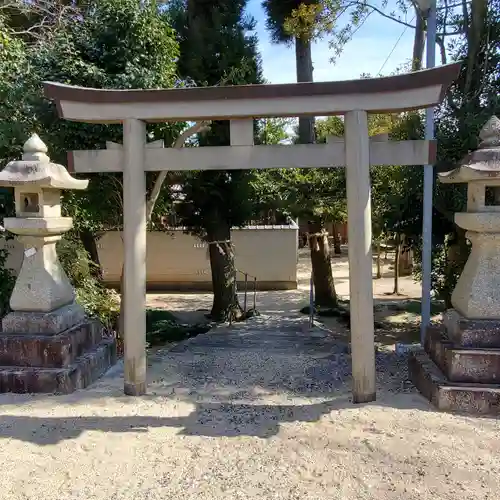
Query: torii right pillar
[{"x": 459, "y": 367}]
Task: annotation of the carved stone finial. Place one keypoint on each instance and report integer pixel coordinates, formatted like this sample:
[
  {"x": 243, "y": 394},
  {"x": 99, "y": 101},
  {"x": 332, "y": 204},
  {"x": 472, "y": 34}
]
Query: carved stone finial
[
  {"x": 490, "y": 133},
  {"x": 35, "y": 149}
]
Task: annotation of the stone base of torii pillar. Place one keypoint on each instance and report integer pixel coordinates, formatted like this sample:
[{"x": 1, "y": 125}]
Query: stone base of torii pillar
[{"x": 458, "y": 368}]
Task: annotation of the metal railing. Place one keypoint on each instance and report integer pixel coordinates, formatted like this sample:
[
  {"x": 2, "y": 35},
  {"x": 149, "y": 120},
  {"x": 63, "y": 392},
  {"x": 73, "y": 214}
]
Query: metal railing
[
  {"x": 245, "y": 296},
  {"x": 311, "y": 301}
]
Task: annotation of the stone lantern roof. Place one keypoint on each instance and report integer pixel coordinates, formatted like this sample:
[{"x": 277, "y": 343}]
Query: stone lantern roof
[
  {"x": 483, "y": 164},
  {"x": 35, "y": 169}
]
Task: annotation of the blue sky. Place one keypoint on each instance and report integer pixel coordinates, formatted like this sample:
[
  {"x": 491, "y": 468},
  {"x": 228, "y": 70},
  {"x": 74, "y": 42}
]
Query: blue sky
[{"x": 366, "y": 53}]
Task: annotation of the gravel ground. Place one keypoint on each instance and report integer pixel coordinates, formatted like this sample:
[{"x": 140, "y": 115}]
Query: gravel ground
[{"x": 261, "y": 410}]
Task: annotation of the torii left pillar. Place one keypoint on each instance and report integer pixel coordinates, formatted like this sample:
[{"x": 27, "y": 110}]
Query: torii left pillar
[{"x": 134, "y": 242}]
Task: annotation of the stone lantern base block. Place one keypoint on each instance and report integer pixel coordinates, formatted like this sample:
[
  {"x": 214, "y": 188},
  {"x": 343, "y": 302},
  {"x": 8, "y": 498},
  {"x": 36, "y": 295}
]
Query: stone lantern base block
[
  {"x": 476, "y": 399},
  {"x": 471, "y": 332},
  {"x": 59, "y": 359},
  {"x": 84, "y": 371},
  {"x": 459, "y": 367},
  {"x": 48, "y": 323}
]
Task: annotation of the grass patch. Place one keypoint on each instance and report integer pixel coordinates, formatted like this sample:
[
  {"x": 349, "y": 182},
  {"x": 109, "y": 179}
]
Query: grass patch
[{"x": 162, "y": 327}]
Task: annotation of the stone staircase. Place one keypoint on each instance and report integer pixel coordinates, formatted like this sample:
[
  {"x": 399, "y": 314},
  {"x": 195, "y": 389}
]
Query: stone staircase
[{"x": 459, "y": 367}]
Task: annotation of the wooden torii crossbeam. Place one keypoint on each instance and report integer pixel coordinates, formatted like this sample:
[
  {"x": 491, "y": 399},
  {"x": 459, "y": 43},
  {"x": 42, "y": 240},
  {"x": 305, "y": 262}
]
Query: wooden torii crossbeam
[{"x": 241, "y": 104}]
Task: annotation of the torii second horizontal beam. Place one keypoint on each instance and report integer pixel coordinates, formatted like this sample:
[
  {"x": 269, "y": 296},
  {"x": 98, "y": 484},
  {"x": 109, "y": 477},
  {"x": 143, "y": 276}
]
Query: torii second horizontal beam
[{"x": 254, "y": 157}]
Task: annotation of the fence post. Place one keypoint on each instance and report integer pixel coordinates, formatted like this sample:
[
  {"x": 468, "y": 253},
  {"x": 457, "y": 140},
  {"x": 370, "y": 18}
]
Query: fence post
[
  {"x": 234, "y": 295},
  {"x": 254, "y": 293},
  {"x": 311, "y": 301},
  {"x": 245, "y": 297}
]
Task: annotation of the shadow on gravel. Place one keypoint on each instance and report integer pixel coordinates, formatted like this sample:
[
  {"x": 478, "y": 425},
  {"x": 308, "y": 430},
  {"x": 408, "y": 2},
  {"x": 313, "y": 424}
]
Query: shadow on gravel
[{"x": 207, "y": 419}]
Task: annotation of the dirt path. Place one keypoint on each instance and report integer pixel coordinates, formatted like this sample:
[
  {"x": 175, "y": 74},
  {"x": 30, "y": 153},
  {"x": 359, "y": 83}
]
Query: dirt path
[{"x": 289, "y": 302}]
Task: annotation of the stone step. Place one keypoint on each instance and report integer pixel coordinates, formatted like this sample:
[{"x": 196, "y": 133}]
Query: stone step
[
  {"x": 468, "y": 365},
  {"x": 463, "y": 332},
  {"x": 475, "y": 399},
  {"x": 49, "y": 351},
  {"x": 84, "y": 371}
]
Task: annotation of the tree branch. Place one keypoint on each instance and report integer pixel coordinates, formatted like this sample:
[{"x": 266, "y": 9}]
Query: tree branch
[
  {"x": 442, "y": 49},
  {"x": 388, "y": 16},
  {"x": 179, "y": 143}
]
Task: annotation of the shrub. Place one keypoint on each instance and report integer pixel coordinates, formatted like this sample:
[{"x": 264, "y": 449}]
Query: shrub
[
  {"x": 98, "y": 301},
  {"x": 7, "y": 281}
]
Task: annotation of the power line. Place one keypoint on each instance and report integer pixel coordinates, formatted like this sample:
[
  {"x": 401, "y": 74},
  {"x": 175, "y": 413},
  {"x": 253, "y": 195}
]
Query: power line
[{"x": 394, "y": 48}]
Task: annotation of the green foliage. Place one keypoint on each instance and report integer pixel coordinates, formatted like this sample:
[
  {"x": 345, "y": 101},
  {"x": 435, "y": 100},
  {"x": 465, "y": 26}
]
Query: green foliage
[
  {"x": 217, "y": 45},
  {"x": 93, "y": 51},
  {"x": 98, "y": 302},
  {"x": 273, "y": 131},
  {"x": 289, "y": 18},
  {"x": 217, "y": 42},
  {"x": 313, "y": 193}
]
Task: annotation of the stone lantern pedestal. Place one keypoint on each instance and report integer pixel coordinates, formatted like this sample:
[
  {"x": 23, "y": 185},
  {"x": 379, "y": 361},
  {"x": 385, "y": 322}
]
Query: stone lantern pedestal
[
  {"x": 459, "y": 366},
  {"x": 47, "y": 344}
]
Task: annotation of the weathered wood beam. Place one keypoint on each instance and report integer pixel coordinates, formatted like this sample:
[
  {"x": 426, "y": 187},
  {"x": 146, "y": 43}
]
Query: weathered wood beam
[{"x": 244, "y": 157}]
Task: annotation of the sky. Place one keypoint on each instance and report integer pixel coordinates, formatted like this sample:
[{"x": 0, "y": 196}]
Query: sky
[{"x": 366, "y": 53}]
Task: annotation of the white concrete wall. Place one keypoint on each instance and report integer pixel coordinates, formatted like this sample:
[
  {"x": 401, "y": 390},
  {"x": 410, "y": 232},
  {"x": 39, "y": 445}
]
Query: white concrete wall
[
  {"x": 179, "y": 261},
  {"x": 176, "y": 260}
]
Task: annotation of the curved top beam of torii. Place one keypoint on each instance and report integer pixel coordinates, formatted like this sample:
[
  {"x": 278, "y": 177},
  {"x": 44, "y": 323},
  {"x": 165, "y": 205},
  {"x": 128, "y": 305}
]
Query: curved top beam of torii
[{"x": 379, "y": 95}]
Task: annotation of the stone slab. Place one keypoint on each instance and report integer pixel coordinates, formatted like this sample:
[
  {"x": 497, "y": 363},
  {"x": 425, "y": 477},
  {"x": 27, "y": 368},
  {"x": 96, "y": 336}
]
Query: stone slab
[
  {"x": 466, "y": 332},
  {"x": 477, "y": 399},
  {"x": 50, "y": 323},
  {"x": 49, "y": 351},
  {"x": 86, "y": 370},
  {"x": 459, "y": 364}
]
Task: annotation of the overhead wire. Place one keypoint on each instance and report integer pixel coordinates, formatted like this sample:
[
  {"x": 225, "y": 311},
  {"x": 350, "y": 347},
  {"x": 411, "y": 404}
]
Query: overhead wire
[{"x": 394, "y": 48}]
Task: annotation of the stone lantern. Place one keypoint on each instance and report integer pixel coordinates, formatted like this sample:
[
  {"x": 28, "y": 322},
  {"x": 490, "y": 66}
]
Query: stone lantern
[
  {"x": 47, "y": 343},
  {"x": 42, "y": 284},
  {"x": 459, "y": 367},
  {"x": 477, "y": 293}
]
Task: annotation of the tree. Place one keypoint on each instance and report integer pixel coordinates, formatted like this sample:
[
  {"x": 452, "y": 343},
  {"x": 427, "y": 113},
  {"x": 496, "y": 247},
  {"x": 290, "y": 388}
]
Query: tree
[
  {"x": 317, "y": 195},
  {"x": 278, "y": 12},
  {"x": 94, "y": 52},
  {"x": 473, "y": 98},
  {"x": 89, "y": 49},
  {"x": 303, "y": 32},
  {"x": 217, "y": 45}
]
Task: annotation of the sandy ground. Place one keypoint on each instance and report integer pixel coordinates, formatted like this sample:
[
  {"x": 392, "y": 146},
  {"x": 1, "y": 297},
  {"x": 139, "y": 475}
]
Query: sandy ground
[
  {"x": 258, "y": 411},
  {"x": 287, "y": 301}
]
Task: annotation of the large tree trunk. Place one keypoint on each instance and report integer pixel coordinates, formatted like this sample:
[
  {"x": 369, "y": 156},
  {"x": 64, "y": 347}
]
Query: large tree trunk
[
  {"x": 225, "y": 305},
  {"x": 89, "y": 243},
  {"x": 475, "y": 32},
  {"x": 324, "y": 287},
  {"x": 418, "y": 41},
  {"x": 303, "y": 61}
]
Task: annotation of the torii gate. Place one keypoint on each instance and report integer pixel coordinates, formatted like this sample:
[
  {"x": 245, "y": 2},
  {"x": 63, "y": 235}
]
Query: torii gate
[{"x": 241, "y": 104}]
